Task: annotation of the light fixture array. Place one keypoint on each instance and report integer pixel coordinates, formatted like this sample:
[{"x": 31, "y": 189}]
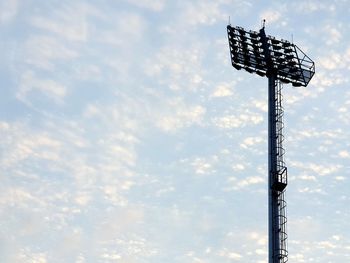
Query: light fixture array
[{"x": 264, "y": 55}]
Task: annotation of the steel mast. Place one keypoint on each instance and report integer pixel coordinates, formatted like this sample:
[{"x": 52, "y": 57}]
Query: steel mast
[{"x": 280, "y": 61}]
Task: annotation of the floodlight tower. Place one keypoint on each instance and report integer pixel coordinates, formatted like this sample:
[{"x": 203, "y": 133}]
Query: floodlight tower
[{"x": 281, "y": 62}]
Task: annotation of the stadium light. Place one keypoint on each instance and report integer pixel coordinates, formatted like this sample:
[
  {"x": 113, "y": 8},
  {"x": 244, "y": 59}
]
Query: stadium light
[
  {"x": 281, "y": 62},
  {"x": 258, "y": 53}
]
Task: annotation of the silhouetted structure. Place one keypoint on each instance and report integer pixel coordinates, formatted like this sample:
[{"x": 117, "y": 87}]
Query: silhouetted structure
[{"x": 280, "y": 61}]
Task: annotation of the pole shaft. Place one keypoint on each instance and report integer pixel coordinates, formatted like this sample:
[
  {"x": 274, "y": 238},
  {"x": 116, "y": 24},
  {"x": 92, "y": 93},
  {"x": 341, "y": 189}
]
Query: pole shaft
[{"x": 274, "y": 242}]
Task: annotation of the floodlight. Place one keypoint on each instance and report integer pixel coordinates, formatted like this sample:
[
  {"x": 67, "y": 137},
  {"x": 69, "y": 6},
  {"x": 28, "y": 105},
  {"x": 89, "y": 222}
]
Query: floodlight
[
  {"x": 262, "y": 74},
  {"x": 237, "y": 66},
  {"x": 280, "y": 61},
  {"x": 274, "y": 41},
  {"x": 249, "y": 44}
]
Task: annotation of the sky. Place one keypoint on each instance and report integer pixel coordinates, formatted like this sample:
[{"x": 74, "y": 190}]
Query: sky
[{"x": 127, "y": 136}]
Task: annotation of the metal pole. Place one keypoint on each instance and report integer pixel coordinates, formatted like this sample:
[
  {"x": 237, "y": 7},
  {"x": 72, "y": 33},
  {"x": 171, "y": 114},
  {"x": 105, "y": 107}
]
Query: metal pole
[
  {"x": 265, "y": 55},
  {"x": 274, "y": 242}
]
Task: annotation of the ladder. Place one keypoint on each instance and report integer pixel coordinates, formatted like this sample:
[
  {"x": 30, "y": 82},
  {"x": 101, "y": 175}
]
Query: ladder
[
  {"x": 280, "y": 180},
  {"x": 280, "y": 174}
]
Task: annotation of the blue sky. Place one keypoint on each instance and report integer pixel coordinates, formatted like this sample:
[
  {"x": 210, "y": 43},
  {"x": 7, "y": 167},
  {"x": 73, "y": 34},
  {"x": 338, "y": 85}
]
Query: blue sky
[{"x": 126, "y": 135}]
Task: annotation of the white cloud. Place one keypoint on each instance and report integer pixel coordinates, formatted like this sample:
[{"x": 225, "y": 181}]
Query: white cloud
[
  {"x": 260, "y": 238},
  {"x": 128, "y": 28},
  {"x": 30, "y": 83},
  {"x": 340, "y": 178},
  {"x": 236, "y": 184},
  {"x": 111, "y": 256},
  {"x": 230, "y": 255},
  {"x": 178, "y": 115},
  {"x": 297, "y": 257},
  {"x": 177, "y": 66},
  {"x": 260, "y": 104},
  {"x": 344, "y": 154},
  {"x": 326, "y": 245},
  {"x": 202, "y": 13},
  {"x": 61, "y": 150},
  {"x": 318, "y": 169},
  {"x": 249, "y": 181},
  {"x": 26, "y": 146},
  {"x": 336, "y": 237},
  {"x": 311, "y": 190},
  {"x": 154, "y": 5},
  {"x": 250, "y": 141},
  {"x": 308, "y": 177},
  {"x": 235, "y": 121},
  {"x": 261, "y": 252},
  {"x": 271, "y": 16},
  {"x": 45, "y": 52},
  {"x": 88, "y": 72},
  {"x": 335, "y": 35},
  {"x": 18, "y": 196},
  {"x": 124, "y": 154},
  {"x": 83, "y": 198},
  {"x": 234, "y": 256},
  {"x": 69, "y": 21},
  {"x": 316, "y": 133},
  {"x": 204, "y": 165},
  {"x": 238, "y": 167},
  {"x": 8, "y": 10},
  {"x": 324, "y": 169},
  {"x": 311, "y": 6},
  {"x": 26, "y": 255},
  {"x": 222, "y": 90},
  {"x": 332, "y": 61}
]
